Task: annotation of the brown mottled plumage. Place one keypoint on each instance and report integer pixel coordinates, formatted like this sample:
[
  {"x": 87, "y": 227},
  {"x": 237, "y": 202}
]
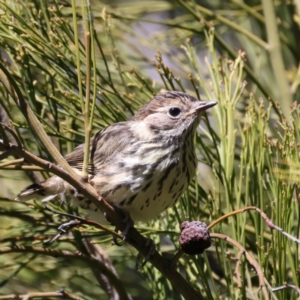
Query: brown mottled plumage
[{"x": 142, "y": 165}]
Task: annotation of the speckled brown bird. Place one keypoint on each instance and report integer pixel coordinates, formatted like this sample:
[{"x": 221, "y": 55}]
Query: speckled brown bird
[{"x": 142, "y": 165}]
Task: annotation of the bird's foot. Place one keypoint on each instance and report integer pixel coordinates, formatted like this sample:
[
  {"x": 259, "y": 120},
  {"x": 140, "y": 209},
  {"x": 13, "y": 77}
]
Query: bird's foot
[
  {"x": 63, "y": 228},
  {"x": 151, "y": 250},
  {"x": 128, "y": 224}
]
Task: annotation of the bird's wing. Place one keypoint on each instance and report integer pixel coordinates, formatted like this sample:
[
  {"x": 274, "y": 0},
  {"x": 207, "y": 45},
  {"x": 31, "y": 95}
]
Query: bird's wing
[
  {"x": 110, "y": 141},
  {"x": 104, "y": 145},
  {"x": 75, "y": 159}
]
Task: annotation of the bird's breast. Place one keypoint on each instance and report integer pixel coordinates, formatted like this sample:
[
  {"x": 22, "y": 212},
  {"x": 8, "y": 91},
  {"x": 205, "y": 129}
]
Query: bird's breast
[{"x": 146, "y": 179}]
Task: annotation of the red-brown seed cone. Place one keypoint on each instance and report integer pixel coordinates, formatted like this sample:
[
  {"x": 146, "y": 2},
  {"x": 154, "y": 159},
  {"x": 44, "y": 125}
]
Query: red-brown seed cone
[{"x": 194, "y": 238}]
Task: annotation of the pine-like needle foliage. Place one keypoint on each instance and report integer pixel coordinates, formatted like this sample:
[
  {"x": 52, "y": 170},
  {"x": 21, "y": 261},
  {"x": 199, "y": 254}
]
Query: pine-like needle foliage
[{"x": 82, "y": 66}]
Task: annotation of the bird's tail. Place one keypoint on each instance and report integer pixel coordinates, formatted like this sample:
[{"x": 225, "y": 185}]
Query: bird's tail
[{"x": 43, "y": 191}]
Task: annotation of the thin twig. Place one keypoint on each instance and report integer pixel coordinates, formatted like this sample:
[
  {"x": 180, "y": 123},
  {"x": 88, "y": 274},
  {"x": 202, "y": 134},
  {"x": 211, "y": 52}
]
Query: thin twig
[
  {"x": 19, "y": 167},
  {"x": 86, "y": 103},
  {"x": 12, "y": 162},
  {"x": 237, "y": 272},
  {"x": 67, "y": 254},
  {"x": 84, "y": 221},
  {"x": 59, "y": 294},
  {"x": 251, "y": 260},
  {"x": 96, "y": 252},
  {"x": 263, "y": 215},
  {"x": 286, "y": 286}
]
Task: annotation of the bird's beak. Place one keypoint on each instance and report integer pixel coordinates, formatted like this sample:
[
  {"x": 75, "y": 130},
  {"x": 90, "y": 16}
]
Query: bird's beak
[
  {"x": 201, "y": 107},
  {"x": 205, "y": 105}
]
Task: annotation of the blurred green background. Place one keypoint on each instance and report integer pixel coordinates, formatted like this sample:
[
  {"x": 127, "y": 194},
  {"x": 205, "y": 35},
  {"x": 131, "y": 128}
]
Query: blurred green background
[{"x": 243, "y": 54}]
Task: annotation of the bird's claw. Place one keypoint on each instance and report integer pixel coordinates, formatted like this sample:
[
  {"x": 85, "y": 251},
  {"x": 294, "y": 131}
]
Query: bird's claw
[
  {"x": 115, "y": 239},
  {"x": 68, "y": 225}
]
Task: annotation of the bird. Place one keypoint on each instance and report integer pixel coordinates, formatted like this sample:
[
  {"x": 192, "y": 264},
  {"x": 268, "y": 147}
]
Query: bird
[{"x": 141, "y": 166}]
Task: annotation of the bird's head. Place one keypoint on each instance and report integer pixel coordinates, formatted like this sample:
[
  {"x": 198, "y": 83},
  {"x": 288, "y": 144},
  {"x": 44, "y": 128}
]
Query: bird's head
[{"x": 170, "y": 114}]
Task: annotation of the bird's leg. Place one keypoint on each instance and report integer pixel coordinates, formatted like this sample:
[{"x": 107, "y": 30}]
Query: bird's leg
[
  {"x": 151, "y": 249},
  {"x": 128, "y": 222}
]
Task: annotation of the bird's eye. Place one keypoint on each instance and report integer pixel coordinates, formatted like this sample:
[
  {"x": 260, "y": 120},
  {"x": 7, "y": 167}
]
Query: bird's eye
[{"x": 174, "y": 112}]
